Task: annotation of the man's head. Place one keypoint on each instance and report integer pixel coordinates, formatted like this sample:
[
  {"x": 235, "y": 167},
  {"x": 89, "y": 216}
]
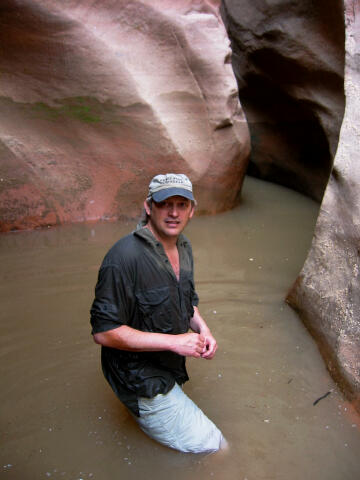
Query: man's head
[
  {"x": 170, "y": 205},
  {"x": 162, "y": 187}
]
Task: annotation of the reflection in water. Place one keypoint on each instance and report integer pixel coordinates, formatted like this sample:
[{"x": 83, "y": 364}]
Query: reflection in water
[{"x": 59, "y": 418}]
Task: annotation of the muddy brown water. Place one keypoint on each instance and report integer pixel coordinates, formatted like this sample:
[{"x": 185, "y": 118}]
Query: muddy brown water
[{"x": 59, "y": 418}]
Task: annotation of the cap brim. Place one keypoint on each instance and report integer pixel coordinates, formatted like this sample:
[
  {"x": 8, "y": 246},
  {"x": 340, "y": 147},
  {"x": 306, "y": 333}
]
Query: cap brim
[{"x": 162, "y": 195}]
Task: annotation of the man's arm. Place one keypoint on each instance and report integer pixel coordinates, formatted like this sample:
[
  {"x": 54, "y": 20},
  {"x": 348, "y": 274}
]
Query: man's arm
[
  {"x": 130, "y": 339},
  {"x": 198, "y": 324}
]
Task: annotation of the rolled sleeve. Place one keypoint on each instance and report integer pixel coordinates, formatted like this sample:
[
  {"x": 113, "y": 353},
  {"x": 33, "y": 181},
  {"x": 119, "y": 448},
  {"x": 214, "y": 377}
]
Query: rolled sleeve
[
  {"x": 195, "y": 299},
  {"x": 110, "y": 306}
]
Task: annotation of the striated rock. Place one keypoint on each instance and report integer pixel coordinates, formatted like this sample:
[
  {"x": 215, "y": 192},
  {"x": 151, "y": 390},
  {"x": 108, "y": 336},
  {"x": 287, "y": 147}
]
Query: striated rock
[
  {"x": 327, "y": 292},
  {"x": 288, "y": 58},
  {"x": 97, "y": 97}
]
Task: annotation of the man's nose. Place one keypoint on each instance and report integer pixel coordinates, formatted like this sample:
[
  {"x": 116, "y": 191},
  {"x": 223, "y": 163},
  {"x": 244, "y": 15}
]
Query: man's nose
[{"x": 173, "y": 211}]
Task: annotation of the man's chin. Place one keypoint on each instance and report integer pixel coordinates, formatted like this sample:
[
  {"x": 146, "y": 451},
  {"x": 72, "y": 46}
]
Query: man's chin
[{"x": 173, "y": 230}]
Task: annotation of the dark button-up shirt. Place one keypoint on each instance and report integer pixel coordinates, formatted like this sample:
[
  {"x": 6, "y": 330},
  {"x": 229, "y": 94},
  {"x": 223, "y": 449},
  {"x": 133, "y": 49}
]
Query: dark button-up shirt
[{"x": 137, "y": 287}]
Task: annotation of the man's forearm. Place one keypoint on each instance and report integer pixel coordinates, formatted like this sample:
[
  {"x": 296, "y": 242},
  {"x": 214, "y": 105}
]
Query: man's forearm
[
  {"x": 127, "y": 338},
  {"x": 198, "y": 324},
  {"x": 130, "y": 339}
]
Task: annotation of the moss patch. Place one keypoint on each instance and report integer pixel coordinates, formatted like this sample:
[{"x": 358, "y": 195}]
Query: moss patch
[{"x": 84, "y": 109}]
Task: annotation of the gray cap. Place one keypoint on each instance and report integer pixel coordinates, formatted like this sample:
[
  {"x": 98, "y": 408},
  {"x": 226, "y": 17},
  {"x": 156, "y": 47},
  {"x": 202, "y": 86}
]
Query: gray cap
[{"x": 162, "y": 187}]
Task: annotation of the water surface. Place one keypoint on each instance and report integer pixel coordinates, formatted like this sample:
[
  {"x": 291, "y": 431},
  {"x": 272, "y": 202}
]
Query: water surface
[{"x": 59, "y": 418}]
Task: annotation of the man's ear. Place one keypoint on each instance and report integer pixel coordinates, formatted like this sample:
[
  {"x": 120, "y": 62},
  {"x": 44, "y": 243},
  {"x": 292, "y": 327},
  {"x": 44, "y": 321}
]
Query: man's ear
[
  {"x": 147, "y": 208},
  {"x": 192, "y": 211}
]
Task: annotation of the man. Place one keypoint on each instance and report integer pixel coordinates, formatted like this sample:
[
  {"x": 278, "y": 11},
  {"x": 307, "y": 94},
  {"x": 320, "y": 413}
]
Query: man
[{"x": 145, "y": 303}]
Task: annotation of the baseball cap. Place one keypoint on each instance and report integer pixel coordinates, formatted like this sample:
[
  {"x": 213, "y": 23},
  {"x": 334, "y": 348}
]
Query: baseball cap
[{"x": 162, "y": 187}]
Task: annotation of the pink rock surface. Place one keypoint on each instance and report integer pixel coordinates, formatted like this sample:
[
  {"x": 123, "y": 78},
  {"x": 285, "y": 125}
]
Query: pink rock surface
[{"x": 97, "y": 97}]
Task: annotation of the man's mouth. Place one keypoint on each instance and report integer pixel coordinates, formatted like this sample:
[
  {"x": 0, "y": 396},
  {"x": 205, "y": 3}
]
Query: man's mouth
[{"x": 172, "y": 223}]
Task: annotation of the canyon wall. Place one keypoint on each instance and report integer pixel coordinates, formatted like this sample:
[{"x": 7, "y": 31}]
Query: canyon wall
[
  {"x": 98, "y": 97},
  {"x": 327, "y": 291},
  {"x": 288, "y": 58}
]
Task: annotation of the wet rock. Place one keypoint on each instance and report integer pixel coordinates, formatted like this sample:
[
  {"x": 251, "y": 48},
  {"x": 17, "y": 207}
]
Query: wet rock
[
  {"x": 326, "y": 293},
  {"x": 288, "y": 58},
  {"x": 99, "y": 97}
]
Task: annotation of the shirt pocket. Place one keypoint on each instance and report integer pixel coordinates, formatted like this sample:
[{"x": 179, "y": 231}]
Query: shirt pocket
[{"x": 155, "y": 307}]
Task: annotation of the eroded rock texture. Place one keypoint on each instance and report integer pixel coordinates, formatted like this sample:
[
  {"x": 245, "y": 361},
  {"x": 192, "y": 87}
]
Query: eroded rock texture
[
  {"x": 97, "y": 97},
  {"x": 288, "y": 57},
  {"x": 327, "y": 292}
]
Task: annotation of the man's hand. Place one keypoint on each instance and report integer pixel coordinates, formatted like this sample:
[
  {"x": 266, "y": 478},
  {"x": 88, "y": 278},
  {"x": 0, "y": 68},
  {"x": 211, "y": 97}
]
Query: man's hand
[
  {"x": 190, "y": 345},
  {"x": 210, "y": 347},
  {"x": 198, "y": 324}
]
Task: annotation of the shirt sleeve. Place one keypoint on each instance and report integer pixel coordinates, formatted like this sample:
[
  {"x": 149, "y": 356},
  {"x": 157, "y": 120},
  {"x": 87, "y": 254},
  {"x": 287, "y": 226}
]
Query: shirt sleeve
[
  {"x": 194, "y": 295},
  {"x": 195, "y": 299},
  {"x": 110, "y": 308}
]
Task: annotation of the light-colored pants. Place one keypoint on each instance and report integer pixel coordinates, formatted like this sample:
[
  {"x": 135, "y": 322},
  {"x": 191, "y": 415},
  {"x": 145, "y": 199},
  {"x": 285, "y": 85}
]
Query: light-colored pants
[{"x": 174, "y": 420}]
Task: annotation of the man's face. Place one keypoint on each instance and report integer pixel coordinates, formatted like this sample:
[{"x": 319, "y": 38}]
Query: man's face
[{"x": 169, "y": 218}]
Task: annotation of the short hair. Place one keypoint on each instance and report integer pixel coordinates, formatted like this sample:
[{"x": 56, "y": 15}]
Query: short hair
[{"x": 144, "y": 217}]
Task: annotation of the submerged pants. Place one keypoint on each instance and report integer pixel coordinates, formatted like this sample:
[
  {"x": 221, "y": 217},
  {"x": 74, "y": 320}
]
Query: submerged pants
[{"x": 174, "y": 420}]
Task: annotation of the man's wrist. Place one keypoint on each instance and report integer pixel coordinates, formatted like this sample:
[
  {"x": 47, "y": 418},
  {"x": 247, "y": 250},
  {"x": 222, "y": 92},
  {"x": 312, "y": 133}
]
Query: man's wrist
[{"x": 205, "y": 331}]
